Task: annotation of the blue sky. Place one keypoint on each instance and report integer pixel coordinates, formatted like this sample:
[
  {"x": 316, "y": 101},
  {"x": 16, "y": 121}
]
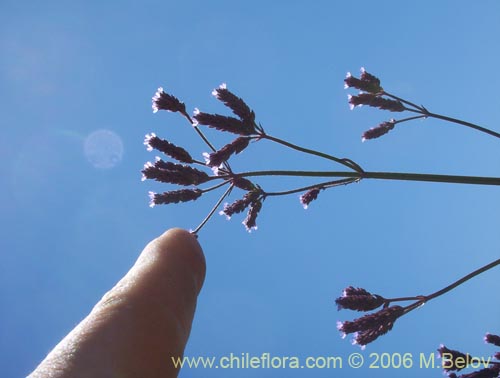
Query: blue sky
[{"x": 70, "y": 228}]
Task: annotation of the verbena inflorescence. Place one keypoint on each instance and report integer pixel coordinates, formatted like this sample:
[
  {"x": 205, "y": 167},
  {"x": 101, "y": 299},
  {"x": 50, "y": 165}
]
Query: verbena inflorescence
[{"x": 214, "y": 171}]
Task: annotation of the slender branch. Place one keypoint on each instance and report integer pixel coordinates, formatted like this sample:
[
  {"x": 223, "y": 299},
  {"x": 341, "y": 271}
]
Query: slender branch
[
  {"x": 425, "y": 112},
  {"x": 204, "y": 138},
  {"x": 462, "y": 280},
  {"x": 411, "y": 118},
  {"x": 453, "y": 179},
  {"x": 215, "y": 186},
  {"x": 423, "y": 299},
  {"x": 421, "y": 108},
  {"x": 464, "y": 123},
  {"x": 214, "y": 209},
  {"x": 345, "y": 162},
  {"x": 323, "y": 185}
]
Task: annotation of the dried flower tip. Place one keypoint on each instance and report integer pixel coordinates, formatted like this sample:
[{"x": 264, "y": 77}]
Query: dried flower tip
[
  {"x": 215, "y": 169},
  {"x": 367, "y": 83},
  {"x": 164, "y": 101},
  {"x": 216, "y": 158},
  {"x": 369, "y": 327},
  {"x": 235, "y": 103},
  {"x": 172, "y": 173},
  {"x": 453, "y": 360},
  {"x": 240, "y": 205},
  {"x": 375, "y": 101},
  {"x": 175, "y": 196},
  {"x": 223, "y": 123},
  {"x": 243, "y": 183},
  {"x": 308, "y": 197},
  {"x": 381, "y": 129},
  {"x": 170, "y": 149},
  {"x": 492, "y": 339},
  {"x": 147, "y": 166},
  {"x": 372, "y": 82},
  {"x": 250, "y": 220},
  {"x": 359, "y": 300}
]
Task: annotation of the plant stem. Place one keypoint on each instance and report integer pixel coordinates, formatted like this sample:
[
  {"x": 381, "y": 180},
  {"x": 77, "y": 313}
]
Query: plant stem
[
  {"x": 425, "y": 112},
  {"x": 322, "y": 185},
  {"x": 426, "y": 298},
  {"x": 216, "y": 186},
  {"x": 216, "y": 206},
  {"x": 344, "y": 162},
  {"x": 453, "y": 179},
  {"x": 464, "y": 123},
  {"x": 462, "y": 280},
  {"x": 421, "y": 108}
]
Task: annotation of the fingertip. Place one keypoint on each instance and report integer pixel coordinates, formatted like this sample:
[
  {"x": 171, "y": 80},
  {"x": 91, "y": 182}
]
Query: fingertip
[{"x": 180, "y": 244}]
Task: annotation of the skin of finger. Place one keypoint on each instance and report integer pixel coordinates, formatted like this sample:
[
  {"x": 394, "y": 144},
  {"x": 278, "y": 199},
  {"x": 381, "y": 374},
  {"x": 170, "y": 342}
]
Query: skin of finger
[{"x": 142, "y": 323}]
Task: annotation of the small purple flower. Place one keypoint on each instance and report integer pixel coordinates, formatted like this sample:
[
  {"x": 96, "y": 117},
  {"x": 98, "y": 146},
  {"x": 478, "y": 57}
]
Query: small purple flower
[
  {"x": 381, "y": 129},
  {"x": 243, "y": 183},
  {"x": 250, "y": 221},
  {"x": 235, "y": 103},
  {"x": 367, "y": 83},
  {"x": 309, "y": 196},
  {"x": 216, "y": 158},
  {"x": 453, "y": 360},
  {"x": 240, "y": 205},
  {"x": 359, "y": 299},
  {"x": 165, "y": 101},
  {"x": 369, "y": 327},
  {"x": 172, "y": 173},
  {"x": 492, "y": 339},
  {"x": 222, "y": 123},
  {"x": 178, "y": 153},
  {"x": 174, "y": 196},
  {"x": 375, "y": 101}
]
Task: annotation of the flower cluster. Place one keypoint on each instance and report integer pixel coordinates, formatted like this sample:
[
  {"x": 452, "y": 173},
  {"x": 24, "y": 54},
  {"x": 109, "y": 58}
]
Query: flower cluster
[
  {"x": 372, "y": 94},
  {"x": 371, "y": 326},
  {"x": 191, "y": 173},
  {"x": 247, "y": 130},
  {"x": 186, "y": 174},
  {"x": 454, "y": 360}
]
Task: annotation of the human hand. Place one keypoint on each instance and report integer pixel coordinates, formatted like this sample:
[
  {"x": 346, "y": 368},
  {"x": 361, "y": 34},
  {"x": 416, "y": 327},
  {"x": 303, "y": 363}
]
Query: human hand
[{"x": 135, "y": 329}]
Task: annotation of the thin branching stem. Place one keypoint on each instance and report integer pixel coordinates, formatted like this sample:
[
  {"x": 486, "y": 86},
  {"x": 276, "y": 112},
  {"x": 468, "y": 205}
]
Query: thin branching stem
[
  {"x": 426, "y": 113},
  {"x": 421, "y": 108},
  {"x": 323, "y": 185},
  {"x": 345, "y": 162},
  {"x": 214, "y": 209},
  {"x": 452, "y": 179},
  {"x": 216, "y": 186},
  {"x": 423, "y": 299}
]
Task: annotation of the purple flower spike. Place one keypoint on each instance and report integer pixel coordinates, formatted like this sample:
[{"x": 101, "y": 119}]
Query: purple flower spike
[
  {"x": 359, "y": 300},
  {"x": 164, "y": 101},
  {"x": 381, "y": 129}
]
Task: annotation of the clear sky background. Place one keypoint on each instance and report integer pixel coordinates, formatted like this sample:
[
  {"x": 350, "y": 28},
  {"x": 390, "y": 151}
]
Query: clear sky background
[{"x": 73, "y": 220}]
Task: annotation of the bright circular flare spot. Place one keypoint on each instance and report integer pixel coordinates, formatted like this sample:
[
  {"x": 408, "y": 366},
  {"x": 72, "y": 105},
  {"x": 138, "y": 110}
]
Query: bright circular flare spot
[{"x": 103, "y": 149}]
